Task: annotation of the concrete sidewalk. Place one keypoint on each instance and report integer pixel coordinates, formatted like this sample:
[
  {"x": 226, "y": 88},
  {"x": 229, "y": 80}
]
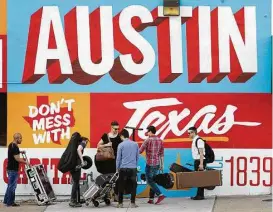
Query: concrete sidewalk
[
  {"x": 211, "y": 204},
  {"x": 243, "y": 204}
]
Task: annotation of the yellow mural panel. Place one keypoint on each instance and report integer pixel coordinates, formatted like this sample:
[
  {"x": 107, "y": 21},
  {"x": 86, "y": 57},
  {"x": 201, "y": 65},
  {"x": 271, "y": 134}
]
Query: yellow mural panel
[
  {"x": 48, "y": 120},
  {"x": 3, "y": 17}
]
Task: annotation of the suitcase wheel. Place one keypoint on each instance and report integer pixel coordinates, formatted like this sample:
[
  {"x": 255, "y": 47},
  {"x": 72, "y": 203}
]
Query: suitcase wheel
[
  {"x": 107, "y": 201},
  {"x": 96, "y": 203}
]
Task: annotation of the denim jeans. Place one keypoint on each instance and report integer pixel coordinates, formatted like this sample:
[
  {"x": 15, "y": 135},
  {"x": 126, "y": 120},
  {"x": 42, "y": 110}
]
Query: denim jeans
[
  {"x": 12, "y": 184},
  {"x": 151, "y": 172}
]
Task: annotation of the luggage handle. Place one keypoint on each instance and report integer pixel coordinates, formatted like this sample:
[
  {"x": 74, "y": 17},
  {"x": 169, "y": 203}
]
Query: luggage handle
[
  {"x": 206, "y": 169},
  {"x": 26, "y": 159}
]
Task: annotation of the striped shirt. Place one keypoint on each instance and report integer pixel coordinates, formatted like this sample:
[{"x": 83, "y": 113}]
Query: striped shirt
[{"x": 154, "y": 150}]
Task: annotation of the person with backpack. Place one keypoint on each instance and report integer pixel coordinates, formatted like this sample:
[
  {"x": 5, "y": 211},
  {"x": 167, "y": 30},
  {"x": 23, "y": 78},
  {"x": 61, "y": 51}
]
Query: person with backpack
[{"x": 202, "y": 154}]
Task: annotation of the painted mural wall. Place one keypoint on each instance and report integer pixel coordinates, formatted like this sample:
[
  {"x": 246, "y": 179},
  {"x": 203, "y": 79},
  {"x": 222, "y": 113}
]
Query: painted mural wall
[{"x": 76, "y": 66}]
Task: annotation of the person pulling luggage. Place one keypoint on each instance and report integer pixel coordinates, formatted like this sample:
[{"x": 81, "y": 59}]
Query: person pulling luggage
[
  {"x": 127, "y": 160},
  {"x": 12, "y": 169}
]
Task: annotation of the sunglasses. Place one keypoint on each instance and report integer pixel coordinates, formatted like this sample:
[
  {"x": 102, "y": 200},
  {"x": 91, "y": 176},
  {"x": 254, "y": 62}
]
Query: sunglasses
[{"x": 115, "y": 128}]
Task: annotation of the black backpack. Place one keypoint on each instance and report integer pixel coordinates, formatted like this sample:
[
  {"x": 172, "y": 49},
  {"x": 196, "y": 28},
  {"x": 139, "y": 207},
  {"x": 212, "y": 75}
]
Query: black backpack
[{"x": 208, "y": 150}]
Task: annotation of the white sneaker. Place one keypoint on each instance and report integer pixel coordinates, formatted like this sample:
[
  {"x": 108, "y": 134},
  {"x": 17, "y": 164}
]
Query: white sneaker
[
  {"x": 133, "y": 205},
  {"x": 120, "y": 205}
]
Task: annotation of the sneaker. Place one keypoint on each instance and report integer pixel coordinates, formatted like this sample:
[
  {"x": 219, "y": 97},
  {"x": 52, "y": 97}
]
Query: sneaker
[
  {"x": 160, "y": 199},
  {"x": 197, "y": 198},
  {"x": 120, "y": 205},
  {"x": 133, "y": 205},
  {"x": 13, "y": 205},
  {"x": 150, "y": 201},
  {"x": 78, "y": 205},
  {"x": 75, "y": 204}
]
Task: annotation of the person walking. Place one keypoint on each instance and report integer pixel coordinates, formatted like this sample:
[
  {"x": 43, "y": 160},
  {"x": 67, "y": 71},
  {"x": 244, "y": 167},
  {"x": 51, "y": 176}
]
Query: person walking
[{"x": 154, "y": 162}]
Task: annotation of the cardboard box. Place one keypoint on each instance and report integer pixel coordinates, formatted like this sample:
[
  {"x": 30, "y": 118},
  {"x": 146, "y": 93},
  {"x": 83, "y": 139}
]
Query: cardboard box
[{"x": 198, "y": 179}]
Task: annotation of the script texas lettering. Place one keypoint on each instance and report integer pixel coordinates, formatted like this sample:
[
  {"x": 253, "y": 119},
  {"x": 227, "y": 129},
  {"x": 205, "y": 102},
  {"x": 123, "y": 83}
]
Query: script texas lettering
[
  {"x": 218, "y": 44},
  {"x": 169, "y": 123}
]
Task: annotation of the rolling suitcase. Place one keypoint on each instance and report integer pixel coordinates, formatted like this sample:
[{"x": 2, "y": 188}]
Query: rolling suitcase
[
  {"x": 100, "y": 190},
  {"x": 92, "y": 192},
  {"x": 40, "y": 183},
  {"x": 103, "y": 179}
]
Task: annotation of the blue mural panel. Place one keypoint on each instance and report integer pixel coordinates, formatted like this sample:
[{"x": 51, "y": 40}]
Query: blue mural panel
[{"x": 191, "y": 57}]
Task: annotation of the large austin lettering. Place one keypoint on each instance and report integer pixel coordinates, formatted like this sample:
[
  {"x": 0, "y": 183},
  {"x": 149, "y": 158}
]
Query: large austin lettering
[{"x": 219, "y": 44}]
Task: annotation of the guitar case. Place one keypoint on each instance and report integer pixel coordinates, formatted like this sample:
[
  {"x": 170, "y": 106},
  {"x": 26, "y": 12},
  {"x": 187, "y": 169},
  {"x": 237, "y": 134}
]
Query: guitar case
[
  {"x": 178, "y": 168},
  {"x": 69, "y": 159},
  {"x": 166, "y": 180}
]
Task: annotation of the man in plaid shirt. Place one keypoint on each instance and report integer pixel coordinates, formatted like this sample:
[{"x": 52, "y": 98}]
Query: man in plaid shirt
[{"x": 154, "y": 162}]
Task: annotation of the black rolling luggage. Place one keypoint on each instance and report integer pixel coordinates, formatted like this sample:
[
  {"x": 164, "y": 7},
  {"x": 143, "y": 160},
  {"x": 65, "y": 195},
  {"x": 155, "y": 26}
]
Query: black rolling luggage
[
  {"x": 40, "y": 183},
  {"x": 178, "y": 168}
]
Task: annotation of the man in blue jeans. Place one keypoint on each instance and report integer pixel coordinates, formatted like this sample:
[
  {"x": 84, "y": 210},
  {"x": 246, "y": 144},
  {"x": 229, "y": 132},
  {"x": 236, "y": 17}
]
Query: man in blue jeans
[
  {"x": 154, "y": 162},
  {"x": 12, "y": 169}
]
